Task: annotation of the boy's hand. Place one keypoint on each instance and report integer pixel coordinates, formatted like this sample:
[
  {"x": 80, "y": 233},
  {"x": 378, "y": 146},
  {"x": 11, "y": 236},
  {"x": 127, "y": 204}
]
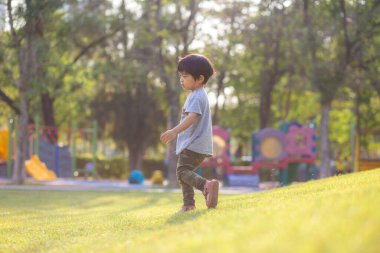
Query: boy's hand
[
  {"x": 168, "y": 136},
  {"x": 171, "y": 134}
]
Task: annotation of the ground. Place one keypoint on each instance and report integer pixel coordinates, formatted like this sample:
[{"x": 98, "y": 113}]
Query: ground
[{"x": 338, "y": 214}]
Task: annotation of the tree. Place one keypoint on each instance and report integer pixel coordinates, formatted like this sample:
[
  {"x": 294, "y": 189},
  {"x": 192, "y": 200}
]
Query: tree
[
  {"x": 26, "y": 43},
  {"x": 223, "y": 51},
  {"x": 130, "y": 91},
  {"x": 61, "y": 45},
  {"x": 176, "y": 32},
  {"x": 332, "y": 56}
]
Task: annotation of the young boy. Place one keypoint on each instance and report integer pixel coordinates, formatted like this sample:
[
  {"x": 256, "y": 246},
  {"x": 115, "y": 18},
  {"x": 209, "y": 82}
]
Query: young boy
[{"x": 194, "y": 132}]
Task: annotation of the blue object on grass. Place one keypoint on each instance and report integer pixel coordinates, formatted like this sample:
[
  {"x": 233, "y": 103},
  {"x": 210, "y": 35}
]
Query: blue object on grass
[{"x": 136, "y": 177}]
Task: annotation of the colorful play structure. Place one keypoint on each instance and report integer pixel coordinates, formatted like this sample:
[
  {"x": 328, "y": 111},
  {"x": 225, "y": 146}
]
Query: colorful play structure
[
  {"x": 51, "y": 151},
  {"x": 271, "y": 148},
  {"x": 293, "y": 144}
]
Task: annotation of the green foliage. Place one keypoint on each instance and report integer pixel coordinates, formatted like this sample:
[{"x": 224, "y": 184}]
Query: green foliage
[
  {"x": 117, "y": 167},
  {"x": 150, "y": 165},
  {"x": 255, "y": 45}
]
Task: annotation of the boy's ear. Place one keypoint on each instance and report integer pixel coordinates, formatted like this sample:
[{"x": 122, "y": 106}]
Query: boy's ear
[{"x": 201, "y": 78}]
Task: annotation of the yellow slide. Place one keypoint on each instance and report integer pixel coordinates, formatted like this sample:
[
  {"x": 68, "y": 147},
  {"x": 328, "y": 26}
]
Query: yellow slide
[
  {"x": 37, "y": 169},
  {"x": 3, "y": 144}
]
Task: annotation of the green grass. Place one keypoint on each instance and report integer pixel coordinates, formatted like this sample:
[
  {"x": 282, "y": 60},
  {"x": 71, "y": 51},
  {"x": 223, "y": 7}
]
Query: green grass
[{"x": 340, "y": 214}]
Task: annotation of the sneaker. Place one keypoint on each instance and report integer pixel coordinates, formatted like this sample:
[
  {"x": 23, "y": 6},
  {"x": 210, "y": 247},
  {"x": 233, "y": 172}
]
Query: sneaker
[
  {"x": 186, "y": 209},
  {"x": 211, "y": 191}
]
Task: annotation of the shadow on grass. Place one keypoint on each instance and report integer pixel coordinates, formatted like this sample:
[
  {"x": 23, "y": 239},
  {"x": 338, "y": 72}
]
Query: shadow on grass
[
  {"x": 140, "y": 201},
  {"x": 178, "y": 218},
  {"x": 46, "y": 200}
]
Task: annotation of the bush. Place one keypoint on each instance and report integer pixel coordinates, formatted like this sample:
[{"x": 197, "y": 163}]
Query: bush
[
  {"x": 118, "y": 167},
  {"x": 114, "y": 168},
  {"x": 150, "y": 165}
]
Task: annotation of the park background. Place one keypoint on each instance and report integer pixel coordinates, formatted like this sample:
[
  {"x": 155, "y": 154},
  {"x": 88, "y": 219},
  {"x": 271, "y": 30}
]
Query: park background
[
  {"x": 68, "y": 64},
  {"x": 98, "y": 79}
]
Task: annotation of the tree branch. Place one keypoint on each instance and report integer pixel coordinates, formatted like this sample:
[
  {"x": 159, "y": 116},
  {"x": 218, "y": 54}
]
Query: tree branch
[
  {"x": 346, "y": 38},
  {"x": 15, "y": 38},
  {"x": 85, "y": 49},
  {"x": 9, "y": 102}
]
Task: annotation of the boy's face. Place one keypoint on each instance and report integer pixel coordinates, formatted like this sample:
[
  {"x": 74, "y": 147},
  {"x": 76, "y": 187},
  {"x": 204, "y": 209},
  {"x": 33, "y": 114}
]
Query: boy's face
[{"x": 188, "y": 82}]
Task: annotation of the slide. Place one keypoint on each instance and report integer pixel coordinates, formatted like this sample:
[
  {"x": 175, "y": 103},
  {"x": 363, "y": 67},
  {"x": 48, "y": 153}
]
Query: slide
[
  {"x": 38, "y": 170},
  {"x": 3, "y": 144}
]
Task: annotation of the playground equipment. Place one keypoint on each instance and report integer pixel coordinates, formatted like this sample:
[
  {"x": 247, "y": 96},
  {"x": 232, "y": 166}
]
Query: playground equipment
[
  {"x": 3, "y": 144},
  {"x": 366, "y": 147},
  {"x": 3, "y": 151},
  {"x": 271, "y": 148},
  {"x": 55, "y": 147},
  {"x": 293, "y": 143},
  {"x": 38, "y": 170},
  {"x": 233, "y": 175}
]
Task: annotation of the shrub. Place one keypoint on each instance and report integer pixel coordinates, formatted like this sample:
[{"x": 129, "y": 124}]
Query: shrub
[
  {"x": 114, "y": 168},
  {"x": 150, "y": 165},
  {"x": 118, "y": 167}
]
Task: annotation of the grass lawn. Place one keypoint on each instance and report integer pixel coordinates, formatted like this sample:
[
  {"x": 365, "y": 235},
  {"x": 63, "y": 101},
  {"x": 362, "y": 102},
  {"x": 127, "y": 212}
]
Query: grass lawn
[{"x": 339, "y": 214}]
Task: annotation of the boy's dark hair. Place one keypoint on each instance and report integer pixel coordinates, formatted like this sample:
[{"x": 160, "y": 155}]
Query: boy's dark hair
[{"x": 196, "y": 65}]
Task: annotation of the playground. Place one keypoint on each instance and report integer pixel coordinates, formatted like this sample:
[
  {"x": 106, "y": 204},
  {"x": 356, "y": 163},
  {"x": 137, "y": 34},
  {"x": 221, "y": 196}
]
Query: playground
[
  {"x": 51, "y": 152},
  {"x": 190, "y": 126},
  {"x": 279, "y": 156}
]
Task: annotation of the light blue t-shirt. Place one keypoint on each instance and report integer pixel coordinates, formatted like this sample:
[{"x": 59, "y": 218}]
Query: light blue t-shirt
[{"x": 198, "y": 137}]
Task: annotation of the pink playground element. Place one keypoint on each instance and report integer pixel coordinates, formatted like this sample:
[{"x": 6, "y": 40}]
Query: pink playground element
[
  {"x": 221, "y": 158},
  {"x": 221, "y": 137},
  {"x": 300, "y": 142},
  {"x": 271, "y": 148},
  {"x": 221, "y": 143}
]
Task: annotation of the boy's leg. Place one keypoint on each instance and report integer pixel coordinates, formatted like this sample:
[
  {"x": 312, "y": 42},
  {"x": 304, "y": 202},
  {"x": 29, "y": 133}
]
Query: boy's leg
[
  {"x": 188, "y": 161},
  {"x": 187, "y": 192}
]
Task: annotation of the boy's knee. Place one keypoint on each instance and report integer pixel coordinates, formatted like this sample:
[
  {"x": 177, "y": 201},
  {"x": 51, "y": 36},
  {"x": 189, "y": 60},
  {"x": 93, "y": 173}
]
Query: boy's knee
[{"x": 181, "y": 173}]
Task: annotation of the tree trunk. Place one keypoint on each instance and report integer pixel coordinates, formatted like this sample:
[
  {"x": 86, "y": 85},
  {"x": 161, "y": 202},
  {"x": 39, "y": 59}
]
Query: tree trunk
[
  {"x": 48, "y": 110},
  {"x": 136, "y": 154},
  {"x": 265, "y": 103},
  {"x": 19, "y": 169},
  {"x": 27, "y": 67},
  {"x": 172, "y": 157},
  {"x": 172, "y": 91},
  {"x": 48, "y": 117},
  {"x": 219, "y": 91},
  {"x": 270, "y": 75},
  {"x": 325, "y": 145},
  {"x": 26, "y": 59},
  {"x": 172, "y": 94},
  {"x": 264, "y": 110}
]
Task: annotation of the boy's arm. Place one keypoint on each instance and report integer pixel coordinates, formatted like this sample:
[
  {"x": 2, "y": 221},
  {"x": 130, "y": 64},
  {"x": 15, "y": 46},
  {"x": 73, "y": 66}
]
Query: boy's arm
[{"x": 170, "y": 135}]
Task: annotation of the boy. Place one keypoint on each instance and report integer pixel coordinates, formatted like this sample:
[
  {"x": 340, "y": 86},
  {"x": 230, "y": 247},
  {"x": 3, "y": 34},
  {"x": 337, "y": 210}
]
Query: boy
[{"x": 194, "y": 141}]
